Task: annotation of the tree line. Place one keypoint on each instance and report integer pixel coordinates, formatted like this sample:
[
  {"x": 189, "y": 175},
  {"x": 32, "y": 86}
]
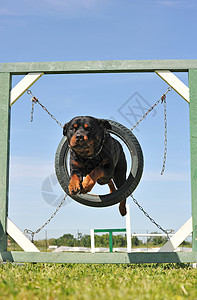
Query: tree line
[{"x": 119, "y": 241}]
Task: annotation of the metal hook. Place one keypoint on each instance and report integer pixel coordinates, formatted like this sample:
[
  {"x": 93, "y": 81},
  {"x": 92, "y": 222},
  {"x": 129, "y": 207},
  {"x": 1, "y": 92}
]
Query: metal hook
[{"x": 29, "y": 92}]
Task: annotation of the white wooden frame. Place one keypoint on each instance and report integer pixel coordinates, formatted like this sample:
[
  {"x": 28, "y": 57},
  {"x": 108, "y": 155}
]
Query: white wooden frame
[{"x": 181, "y": 234}]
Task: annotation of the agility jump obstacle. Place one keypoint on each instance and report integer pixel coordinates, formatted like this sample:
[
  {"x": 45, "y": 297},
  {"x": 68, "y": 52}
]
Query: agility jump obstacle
[
  {"x": 33, "y": 71},
  {"x": 110, "y": 231}
]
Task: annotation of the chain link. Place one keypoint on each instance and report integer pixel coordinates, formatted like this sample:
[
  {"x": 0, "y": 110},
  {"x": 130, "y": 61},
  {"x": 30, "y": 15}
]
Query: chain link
[
  {"x": 165, "y": 135},
  {"x": 163, "y": 101},
  {"x": 34, "y": 101},
  {"x": 152, "y": 107},
  {"x": 167, "y": 232},
  {"x": 32, "y": 233}
]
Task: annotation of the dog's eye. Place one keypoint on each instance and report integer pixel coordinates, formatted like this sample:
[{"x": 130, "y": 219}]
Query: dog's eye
[
  {"x": 86, "y": 126},
  {"x": 74, "y": 127}
]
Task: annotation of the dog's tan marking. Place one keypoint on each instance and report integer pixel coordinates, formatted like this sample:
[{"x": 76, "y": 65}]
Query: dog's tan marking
[
  {"x": 74, "y": 185},
  {"x": 91, "y": 179},
  {"x": 77, "y": 163},
  {"x": 73, "y": 141}
]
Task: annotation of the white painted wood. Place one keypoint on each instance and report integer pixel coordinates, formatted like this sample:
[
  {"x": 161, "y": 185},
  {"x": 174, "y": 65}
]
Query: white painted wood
[
  {"x": 128, "y": 229},
  {"x": 92, "y": 241},
  {"x": 178, "y": 237},
  {"x": 20, "y": 238},
  {"x": 152, "y": 234},
  {"x": 23, "y": 86},
  {"x": 175, "y": 83}
]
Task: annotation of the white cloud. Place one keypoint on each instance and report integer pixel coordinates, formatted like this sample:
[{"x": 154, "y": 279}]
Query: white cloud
[
  {"x": 35, "y": 168},
  {"x": 177, "y": 3},
  {"x": 169, "y": 2},
  {"x": 7, "y": 12},
  {"x": 168, "y": 176},
  {"x": 48, "y": 7},
  {"x": 28, "y": 167},
  {"x": 71, "y": 4}
]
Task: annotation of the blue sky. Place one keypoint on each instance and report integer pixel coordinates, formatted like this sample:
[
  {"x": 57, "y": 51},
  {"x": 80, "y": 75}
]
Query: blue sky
[{"x": 98, "y": 30}]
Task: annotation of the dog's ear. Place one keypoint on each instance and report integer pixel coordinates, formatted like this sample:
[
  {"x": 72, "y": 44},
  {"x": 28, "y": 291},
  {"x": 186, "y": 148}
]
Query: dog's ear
[
  {"x": 65, "y": 129},
  {"x": 105, "y": 124}
]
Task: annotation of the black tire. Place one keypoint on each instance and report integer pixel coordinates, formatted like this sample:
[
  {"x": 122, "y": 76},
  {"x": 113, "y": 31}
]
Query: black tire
[{"x": 109, "y": 199}]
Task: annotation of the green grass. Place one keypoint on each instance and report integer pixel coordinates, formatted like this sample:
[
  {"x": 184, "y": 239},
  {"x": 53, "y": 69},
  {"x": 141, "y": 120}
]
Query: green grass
[{"x": 77, "y": 281}]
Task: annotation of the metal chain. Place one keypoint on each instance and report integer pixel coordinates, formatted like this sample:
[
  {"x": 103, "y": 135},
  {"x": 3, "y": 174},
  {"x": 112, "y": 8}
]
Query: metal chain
[
  {"x": 34, "y": 101},
  {"x": 152, "y": 107},
  {"x": 151, "y": 219},
  {"x": 32, "y": 233},
  {"x": 163, "y": 100},
  {"x": 165, "y": 135}
]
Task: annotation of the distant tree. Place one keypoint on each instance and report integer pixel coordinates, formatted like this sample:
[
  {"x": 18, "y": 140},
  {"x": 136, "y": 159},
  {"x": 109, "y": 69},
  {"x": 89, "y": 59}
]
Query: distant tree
[
  {"x": 52, "y": 241},
  {"x": 186, "y": 243},
  {"x": 135, "y": 241},
  {"x": 119, "y": 240},
  {"x": 41, "y": 244},
  {"x": 66, "y": 240},
  {"x": 85, "y": 241},
  {"x": 79, "y": 237},
  {"x": 102, "y": 240},
  {"x": 157, "y": 240}
]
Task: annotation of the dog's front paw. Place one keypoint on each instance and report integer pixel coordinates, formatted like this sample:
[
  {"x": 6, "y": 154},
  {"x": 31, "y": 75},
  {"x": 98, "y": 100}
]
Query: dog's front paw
[
  {"x": 74, "y": 185},
  {"x": 87, "y": 184}
]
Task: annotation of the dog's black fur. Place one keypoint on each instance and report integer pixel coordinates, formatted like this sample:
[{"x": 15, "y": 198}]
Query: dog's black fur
[{"x": 95, "y": 156}]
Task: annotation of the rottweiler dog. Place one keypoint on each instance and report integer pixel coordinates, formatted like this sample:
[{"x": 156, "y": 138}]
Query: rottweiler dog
[{"x": 95, "y": 156}]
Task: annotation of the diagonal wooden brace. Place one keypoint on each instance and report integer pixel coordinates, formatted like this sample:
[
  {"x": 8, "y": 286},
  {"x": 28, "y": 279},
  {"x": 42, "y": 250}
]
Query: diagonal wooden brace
[
  {"x": 20, "y": 238},
  {"x": 175, "y": 83},
  {"x": 23, "y": 86},
  {"x": 178, "y": 237}
]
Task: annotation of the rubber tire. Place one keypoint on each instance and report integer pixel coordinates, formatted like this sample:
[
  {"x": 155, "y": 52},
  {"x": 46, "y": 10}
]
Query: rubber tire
[{"x": 109, "y": 199}]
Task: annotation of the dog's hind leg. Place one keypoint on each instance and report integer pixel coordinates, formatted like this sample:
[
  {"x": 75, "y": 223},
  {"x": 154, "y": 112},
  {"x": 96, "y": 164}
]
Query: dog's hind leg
[
  {"x": 119, "y": 179},
  {"x": 111, "y": 186},
  {"x": 122, "y": 205}
]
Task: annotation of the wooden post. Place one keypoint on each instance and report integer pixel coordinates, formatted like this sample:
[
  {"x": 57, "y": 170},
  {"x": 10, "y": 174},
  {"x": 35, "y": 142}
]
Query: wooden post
[
  {"x": 5, "y": 86},
  {"x": 193, "y": 150},
  {"x": 92, "y": 241},
  {"x": 128, "y": 228},
  {"x": 110, "y": 241},
  {"x": 110, "y": 235}
]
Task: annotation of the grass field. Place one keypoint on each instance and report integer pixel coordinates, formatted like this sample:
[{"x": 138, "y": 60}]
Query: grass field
[{"x": 77, "y": 281}]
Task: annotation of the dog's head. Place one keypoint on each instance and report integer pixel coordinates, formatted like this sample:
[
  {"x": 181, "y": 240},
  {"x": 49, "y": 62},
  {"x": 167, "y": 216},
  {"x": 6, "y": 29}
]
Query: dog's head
[{"x": 85, "y": 134}]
